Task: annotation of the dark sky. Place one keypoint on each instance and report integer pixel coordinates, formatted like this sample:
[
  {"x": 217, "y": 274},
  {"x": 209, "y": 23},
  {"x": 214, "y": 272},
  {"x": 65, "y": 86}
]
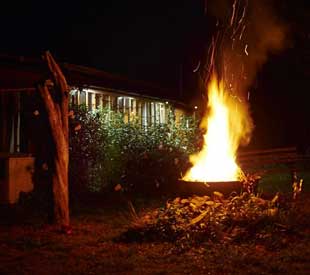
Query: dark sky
[
  {"x": 149, "y": 40},
  {"x": 142, "y": 39}
]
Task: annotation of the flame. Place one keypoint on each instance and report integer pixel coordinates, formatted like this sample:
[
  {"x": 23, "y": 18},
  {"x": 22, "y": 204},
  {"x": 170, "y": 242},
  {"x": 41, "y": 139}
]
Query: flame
[{"x": 226, "y": 125}]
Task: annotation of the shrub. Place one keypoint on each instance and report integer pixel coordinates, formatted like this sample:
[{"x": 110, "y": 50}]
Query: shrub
[{"x": 105, "y": 151}]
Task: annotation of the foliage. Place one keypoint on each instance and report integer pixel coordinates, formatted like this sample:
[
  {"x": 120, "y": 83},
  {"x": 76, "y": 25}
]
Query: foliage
[{"x": 106, "y": 151}]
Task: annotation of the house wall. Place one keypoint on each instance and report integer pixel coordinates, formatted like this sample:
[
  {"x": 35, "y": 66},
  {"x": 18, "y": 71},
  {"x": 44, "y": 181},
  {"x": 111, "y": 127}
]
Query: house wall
[
  {"x": 146, "y": 110},
  {"x": 22, "y": 113},
  {"x": 17, "y": 177}
]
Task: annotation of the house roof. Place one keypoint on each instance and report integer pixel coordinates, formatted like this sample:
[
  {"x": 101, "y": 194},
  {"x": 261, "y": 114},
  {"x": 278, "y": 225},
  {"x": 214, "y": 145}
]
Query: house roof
[
  {"x": 20, "y": 72},
  {"x": 25, "y": 73}
]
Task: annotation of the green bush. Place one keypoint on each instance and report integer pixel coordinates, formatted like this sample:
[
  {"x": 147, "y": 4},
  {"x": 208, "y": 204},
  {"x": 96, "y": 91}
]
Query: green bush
[{"x": 106, "y": 151}]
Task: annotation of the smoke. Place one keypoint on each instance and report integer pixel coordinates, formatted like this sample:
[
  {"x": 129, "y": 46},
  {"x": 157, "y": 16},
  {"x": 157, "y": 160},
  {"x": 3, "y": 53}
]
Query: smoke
[
  {"x": 264, "y": 33},
  {"x": 248, "y": 31}
]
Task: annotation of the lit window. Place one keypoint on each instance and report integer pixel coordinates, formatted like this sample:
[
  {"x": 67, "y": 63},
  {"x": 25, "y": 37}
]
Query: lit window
[{"x": 82, "y": 97}]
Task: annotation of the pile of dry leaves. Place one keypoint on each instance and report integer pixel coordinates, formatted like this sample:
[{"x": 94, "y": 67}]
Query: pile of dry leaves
[{"x": 197, "y": 219}]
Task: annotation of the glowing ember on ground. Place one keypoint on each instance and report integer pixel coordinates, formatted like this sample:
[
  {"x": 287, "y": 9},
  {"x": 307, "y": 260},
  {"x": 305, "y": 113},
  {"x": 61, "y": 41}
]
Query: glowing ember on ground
[{"x": 225, "y": 129}]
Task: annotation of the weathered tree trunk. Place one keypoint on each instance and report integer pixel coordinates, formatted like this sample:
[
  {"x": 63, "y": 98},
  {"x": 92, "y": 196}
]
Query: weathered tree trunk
[{"x": 56, "y": 99}]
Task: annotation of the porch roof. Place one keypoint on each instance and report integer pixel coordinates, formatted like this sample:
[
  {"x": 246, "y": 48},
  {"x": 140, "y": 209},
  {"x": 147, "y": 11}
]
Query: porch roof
[{"x": 26, "y": 73}]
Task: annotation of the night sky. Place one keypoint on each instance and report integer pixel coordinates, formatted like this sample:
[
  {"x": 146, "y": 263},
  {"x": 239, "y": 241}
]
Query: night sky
[
  {"x": 141, "y": 39},
  {"x": 153, "y": 40}
]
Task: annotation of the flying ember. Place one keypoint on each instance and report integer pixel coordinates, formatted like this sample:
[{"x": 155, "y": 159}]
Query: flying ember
[{"x": 225, "y": 128}]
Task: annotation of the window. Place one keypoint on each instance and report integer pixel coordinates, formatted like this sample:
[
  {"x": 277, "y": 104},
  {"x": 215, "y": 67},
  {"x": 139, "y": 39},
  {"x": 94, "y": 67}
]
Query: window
[
  {"x": 98, "y": 99},
  {"x": 91, "y": 102},
  {"x": 120, "y": 104},
  {"x": 10, "y": 122},
  {"x": 127, "y": 106},
  {"x": 161, "y": 113},
  {"x": 153, "y": 113},
  {"x": 130, "y": 108},
  {"x": 74, "y": 97},
  {"x": 144, "y": 113},
  {"x": 106, "y": 101},
  {"x": 82, "y": 97}
]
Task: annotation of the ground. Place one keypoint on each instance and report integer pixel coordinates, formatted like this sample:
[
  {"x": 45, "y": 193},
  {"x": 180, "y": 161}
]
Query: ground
[{"x": 29, "y": 246}]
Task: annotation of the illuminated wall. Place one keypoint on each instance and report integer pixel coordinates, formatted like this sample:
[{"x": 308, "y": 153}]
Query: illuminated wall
[{"x": 147, "y": 111}]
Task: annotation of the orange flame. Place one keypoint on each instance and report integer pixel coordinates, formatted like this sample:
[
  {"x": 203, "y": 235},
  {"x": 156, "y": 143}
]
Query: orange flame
[{"x": 226, "y": 127}]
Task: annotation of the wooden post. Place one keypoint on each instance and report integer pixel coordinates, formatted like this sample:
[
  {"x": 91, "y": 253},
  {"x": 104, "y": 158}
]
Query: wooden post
[{"x": 55, "y": 94}]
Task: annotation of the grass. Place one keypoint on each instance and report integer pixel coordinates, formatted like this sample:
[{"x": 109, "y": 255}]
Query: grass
[
  {"x": 280, "y": 178},
  {"x": 92, "y": 249},
  {"x": 29, "y": 246},
  {"x": 282, "y": 182}
]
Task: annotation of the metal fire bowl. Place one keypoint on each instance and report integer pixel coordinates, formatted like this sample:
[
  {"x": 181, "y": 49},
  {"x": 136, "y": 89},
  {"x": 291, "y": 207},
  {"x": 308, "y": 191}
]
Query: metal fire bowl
[{"x": 189, "y": 188}]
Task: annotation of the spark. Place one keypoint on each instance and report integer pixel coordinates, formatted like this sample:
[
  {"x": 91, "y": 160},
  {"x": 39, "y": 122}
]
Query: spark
[
  {"x": 232, "y": 43},
  {"x": 243, "y": 14},
  {"x": 197, "y": 67},
  {"x": 233, "y": 13},
  {"x": 246, "y": 49},
  {"x": 243, "y": 28}
]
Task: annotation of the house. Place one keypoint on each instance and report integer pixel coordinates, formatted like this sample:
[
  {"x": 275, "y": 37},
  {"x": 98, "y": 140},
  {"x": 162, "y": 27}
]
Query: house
[
  {"x": 24, "y": 127},
  {"x": 135, "y": 99}
]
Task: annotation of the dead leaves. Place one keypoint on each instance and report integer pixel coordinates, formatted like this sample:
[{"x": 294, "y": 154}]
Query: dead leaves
[{"x": 201, "y": 218}]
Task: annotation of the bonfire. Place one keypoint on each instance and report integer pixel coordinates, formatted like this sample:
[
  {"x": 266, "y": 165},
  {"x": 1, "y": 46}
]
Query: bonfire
[{"x": 227, "y": 124}]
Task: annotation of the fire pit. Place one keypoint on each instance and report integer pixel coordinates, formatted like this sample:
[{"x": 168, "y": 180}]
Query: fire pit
[{"x": 202, "y": 188}]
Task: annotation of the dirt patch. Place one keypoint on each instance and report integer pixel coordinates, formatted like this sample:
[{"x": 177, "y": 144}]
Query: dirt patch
[{"x": 92, "y": 249}]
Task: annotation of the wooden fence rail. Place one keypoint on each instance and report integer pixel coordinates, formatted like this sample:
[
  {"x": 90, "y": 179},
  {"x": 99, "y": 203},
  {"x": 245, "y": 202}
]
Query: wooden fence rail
[{"x": 270, "y": 157}]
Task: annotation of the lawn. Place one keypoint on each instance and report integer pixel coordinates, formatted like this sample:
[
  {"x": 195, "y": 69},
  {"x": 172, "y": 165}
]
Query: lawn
[{"x": 29, "y": 246}]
